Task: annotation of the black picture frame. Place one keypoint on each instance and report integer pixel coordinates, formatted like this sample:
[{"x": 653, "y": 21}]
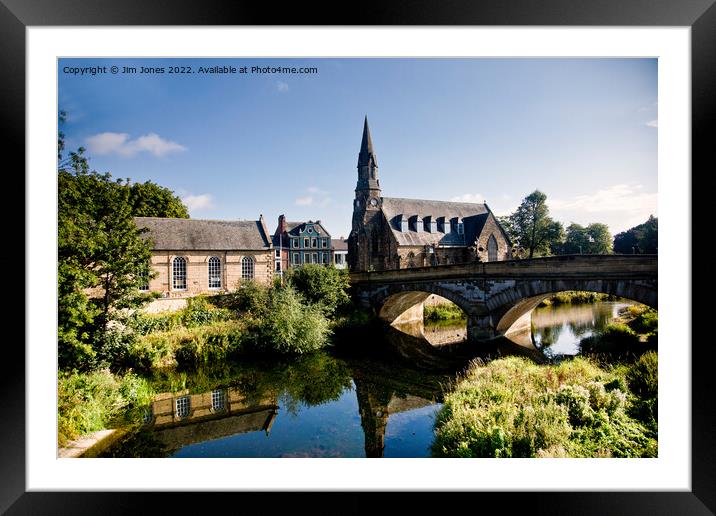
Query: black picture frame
[{"x": 699, "y": 15}]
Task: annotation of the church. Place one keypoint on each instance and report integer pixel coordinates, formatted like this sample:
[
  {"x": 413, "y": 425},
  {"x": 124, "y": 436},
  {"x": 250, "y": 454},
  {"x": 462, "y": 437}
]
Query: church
[{"x": 396, "y": 233}]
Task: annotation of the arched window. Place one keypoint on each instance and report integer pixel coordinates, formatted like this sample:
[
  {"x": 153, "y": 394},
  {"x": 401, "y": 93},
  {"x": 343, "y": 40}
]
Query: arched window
[
  {"x": 214, "y": 272},
  {"x": 492, "y": 249},
  {"x": 179, "y": 273},
  {"x": 247, "y": 268}
]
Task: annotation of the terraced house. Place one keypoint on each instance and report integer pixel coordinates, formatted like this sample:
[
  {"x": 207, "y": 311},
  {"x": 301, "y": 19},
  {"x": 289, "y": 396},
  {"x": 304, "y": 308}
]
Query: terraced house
[
  {"x": 195, "y": 256},
  {"x": 296, "y": 243}
]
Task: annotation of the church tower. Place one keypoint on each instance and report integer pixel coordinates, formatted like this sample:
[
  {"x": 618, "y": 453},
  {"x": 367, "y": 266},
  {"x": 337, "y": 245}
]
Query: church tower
[{"x": 363, "y": 247}]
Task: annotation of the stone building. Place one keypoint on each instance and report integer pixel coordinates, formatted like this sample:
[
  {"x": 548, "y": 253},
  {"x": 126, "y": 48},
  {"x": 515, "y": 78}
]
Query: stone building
[
  {"x": 339, "y": 248},
  {"x": 296, "y": 243},
  {"x": 194, "y": 256},
  {"x": 395, "y": 233}
]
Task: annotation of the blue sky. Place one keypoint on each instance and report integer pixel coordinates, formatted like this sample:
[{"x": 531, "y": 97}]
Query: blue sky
[{"x": 583, "y": 131}]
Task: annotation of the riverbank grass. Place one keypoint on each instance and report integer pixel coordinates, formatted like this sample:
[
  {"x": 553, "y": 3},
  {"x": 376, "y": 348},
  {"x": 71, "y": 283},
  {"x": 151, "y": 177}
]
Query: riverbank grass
[
  {"x": 576, "y": 297},
  {"x": 88, "y": 402},
  {"x": 443, "y": 312},
  {"x": 512, "y": 407}
]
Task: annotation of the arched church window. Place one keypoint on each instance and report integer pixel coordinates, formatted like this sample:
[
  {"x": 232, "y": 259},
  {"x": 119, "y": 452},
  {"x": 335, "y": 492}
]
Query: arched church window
[
  {"x": 179, "y": 273},
  {"x": 214, "y": 272},
  {"x": 247, "y": 268},
  {"x": 492, "y": 249}
]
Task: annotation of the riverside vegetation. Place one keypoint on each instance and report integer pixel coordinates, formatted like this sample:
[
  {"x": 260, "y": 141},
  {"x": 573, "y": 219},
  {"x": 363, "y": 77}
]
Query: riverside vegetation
[
  {"x": 601, "y": 404},
  {"x": 512, "y": 407},
  {"x": 293, "y": 318}
]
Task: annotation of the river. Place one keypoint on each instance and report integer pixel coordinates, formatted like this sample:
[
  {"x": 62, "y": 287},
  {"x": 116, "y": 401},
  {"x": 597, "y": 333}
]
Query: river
[{"x": 327, "y": 404}]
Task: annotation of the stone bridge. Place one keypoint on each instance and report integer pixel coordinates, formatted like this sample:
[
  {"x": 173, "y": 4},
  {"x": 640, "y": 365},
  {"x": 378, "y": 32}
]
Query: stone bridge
[{"x": 498, "y": 297}]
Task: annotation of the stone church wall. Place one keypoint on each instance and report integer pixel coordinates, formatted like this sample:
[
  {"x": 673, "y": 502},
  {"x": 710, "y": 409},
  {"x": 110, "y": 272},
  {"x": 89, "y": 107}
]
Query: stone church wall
[
  {"x": 197, "y": 281},
  {"x": 503, "y": 249}
]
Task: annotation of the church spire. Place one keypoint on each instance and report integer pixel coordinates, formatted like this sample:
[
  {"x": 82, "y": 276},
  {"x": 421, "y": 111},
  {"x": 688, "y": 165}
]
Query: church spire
[{"x": 366, "y": 157}]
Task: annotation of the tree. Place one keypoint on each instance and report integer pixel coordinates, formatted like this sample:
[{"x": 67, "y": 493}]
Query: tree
[
  {"x": 531, "y": 226},
  {"x": 641, "y": 239},
  {"x": 102, "y": 258},
  {"x": 325, "y": 287},
  {"x": 151, "y": 200},
  {"x": 594, "y": 239}
]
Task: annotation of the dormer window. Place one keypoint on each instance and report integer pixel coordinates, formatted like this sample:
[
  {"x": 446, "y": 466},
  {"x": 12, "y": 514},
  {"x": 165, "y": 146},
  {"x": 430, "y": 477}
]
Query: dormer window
[
  {"x": 460, "y": 227},
  {"x": 444, "y": 225},
  {"x": 417, "y": 223},
  {"x": 403, "y": 223},
  {"x": 431, "y": 224}
]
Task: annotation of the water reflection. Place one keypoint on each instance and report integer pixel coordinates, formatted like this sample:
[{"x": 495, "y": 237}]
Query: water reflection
[
  {"x": 181, "y": 419},
  {"x": 312, "y": 406},
  {"x": 558, "y": 330},
  {"x": 334, "y": 404}
]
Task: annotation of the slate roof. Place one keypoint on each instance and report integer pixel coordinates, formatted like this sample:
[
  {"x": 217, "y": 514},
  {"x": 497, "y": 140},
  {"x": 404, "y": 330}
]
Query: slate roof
[
  {"x": 473, "y": 215},
  {"x": 294, "y": 228},
  {"x": 170, "y": 234},
  {"x": 339, "y": 244}
]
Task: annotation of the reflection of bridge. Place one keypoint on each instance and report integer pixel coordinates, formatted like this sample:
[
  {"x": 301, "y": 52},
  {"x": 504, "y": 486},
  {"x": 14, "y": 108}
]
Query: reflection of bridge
[{"x": 498, "y": 297}]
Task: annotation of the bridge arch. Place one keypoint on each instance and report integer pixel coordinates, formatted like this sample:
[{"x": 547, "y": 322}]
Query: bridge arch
[
  {"x": 512, "y": 308},
  {"x": 404, "y": 303}
]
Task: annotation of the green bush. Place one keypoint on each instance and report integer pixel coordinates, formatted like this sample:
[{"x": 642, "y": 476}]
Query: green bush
[
  {"x": 291, "y": 326},
  {"x": 250, "y": 298},
  {"x": 443, "y": 312},
  {"x": 645, "y": 322},
  {"x": 88, "y": 402},
  {"x": 576, "y": 297},
  {"x": 324, "y": 287},
  {"x": 187, "y": 347},
  {"x": 643, "y": 375},
  {"x": 198, "y": 312},
  {"x": 512, "y": 407}
]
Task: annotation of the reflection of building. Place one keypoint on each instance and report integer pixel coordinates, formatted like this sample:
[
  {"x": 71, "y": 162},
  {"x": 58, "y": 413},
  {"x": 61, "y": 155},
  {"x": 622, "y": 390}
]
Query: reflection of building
[
  {"x": 180, "y": 419},
  {"x": 301, "y": 242},
  {"x": 339, "y": 247},
  {"x": 375, "y": 404},
  {"x": 393, "y": 233},
  {"x": 193, "y": 256}
]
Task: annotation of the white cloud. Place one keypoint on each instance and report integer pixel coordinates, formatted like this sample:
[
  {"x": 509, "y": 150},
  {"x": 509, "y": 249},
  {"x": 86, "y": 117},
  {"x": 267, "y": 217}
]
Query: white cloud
[
  {"x": 281, "y": 86},
  {"x": 653, "y": 123},
  {"x": 197, "y": 202},
  {"x": 468, "y": 198},
  {"x": 119, "y": 143},
  {"x": 315, "y": 190},
  {"x": 620, "y": 206},
  {"x": 304, "y": 201}
]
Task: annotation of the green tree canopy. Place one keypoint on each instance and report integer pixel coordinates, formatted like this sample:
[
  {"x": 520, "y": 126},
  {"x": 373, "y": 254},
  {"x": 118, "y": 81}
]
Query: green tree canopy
[
  {"x": 593, "y": 239},
  {"x": 325, "y": 287},
  {"x": 531, "y": 228},
  {"x": 641, "y": 239},
  {"x": 151, "y": 200},
  {"x": 102, "y": 258}
]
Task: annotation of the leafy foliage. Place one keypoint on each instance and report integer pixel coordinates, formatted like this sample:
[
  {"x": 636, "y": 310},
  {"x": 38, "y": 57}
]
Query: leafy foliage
[
  {"x": 102, "y": 257},
  {"x": 151, "y": 200},
  {"x": 324, "y": 287},
  {"x": 292, "y": 326},
  {"x": 593, "y": 239},
  {"x": 641, "y": 239},
  {"x": 531, "y": 228},
  {"x": 88, "y": 402},
  {"x": 514, "y": 408}
]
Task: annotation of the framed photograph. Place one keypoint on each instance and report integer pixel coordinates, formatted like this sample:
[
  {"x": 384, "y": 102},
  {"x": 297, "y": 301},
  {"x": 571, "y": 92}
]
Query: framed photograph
[{"x": 403, "y": 152}]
